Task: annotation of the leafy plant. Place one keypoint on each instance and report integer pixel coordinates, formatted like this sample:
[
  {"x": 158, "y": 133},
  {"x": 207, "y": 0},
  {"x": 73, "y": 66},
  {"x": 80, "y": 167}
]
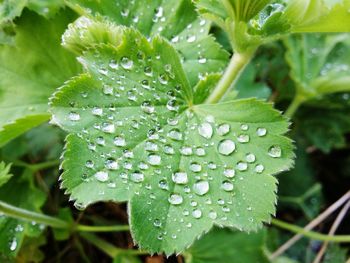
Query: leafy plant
[{"x": 159, "y": 115}]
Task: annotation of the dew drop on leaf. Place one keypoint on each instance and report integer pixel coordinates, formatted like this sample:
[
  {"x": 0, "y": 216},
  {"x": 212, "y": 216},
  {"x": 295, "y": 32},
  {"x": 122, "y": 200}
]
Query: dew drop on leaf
[
  {"x": 154, "y": 159},
  {"x": 259, "y": 168},
  {"x": 197, "y": 213},
  {"x": 201, "y": 187},
  {"x": 243, "y": 138},
  {"x": 180, "y": 178},
  {"x": 275, "y": 151},
  {"x": 175, "y": 199},
  {"x": 119, "y": 141},
  {"x": 111, "y": 164},
  {"x": 97, "y": 111},
  {"x": 195, "y": 167},
  {"x": 137, "y": 177},
  {"x": 223, "y": 129},
  {"x": 157, "y": 223},
  {"x": 205, "y": 130},
  {"x": 73, "y": 116},
  {"x": 126, "y": 63},
  {"x": 200, "y": 151},
  {"x": 102, "y": 176},
  {"x": 229, "y": 172},
  {"x": 242, "y": 166},
  {"x": 13, "y": 244},
  {"x": 227, "y": 186},
  {"x": 226, "y": 147},
  {"x": 175, "y": 134},
  {"x": 250, "y": 158},
  {"x": 213, "y": 215},
  {"x": 261, "y": 132},
  {"x": 163, "y": 184}
]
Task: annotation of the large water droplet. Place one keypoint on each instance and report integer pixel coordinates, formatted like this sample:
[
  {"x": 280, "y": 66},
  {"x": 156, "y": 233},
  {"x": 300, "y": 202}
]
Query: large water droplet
[
  {"x": 226, "y": 147},
  {"x": 137, "y": 177},
  {"x": 229, "y": 172},
  {"x": 213, "y": 215},
  {"x": 119, "y": 141},
  {"x": 227, "y": 186},
  {"x": 108, "y": 127},
  {"x": 102, "y": 176},
  {"x": 195, "y": 167},
  {"x": 180, "y": 178},
  {"x": 243, "y": 138},
  {"x": 275, "y": 151},
  {"x": 147, "y": 107},
  {"x": 200, "y": 151},
  {"x": 259, "y": 168},
  {"x": 126, "y": 63},
  {"x": 201, "y": 187},
  {"x": 261, "y": 132},
  {"x": 175, "y": 134},
  {"x": 197, "y": 213},
  {"x": 111, "y": 164},
  {"x": 154, "y": 159},
  {"x": 74, "y": 116},
  {"x": 175, "y": 199},
  {"x": 169, "y": 150},
  {"x": 242, "y": 166},
  {"x": 151, "y": 147},
  {"x": 13, "y": 244},
  {"x": 97, "y": 111},
  {"x": 223, "y": 129},
  {"x": 250, "y": 158},
  {"x": 205, "y": 130},
  {"x": 186, "y": 150}
]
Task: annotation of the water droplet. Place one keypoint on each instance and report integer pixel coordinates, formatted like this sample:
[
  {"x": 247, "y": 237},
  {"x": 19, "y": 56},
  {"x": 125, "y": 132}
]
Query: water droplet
[
  {"x": 200, "y": 151},
  {"x": 243, "y": 138},
  {"x": 191, "y": 39},
  {"x": 261, "y": 132},
  {"x": 157, "y": 223},
  {"x": 111, "y": 164},
  {"x": 180, "y": 178},
  {"x": 119, "y": 141},
  {"x": 163, "y": 79},
  {"x": 169, "y": 150},
  {"x": 107, "y": 90},
  {"x": 250, "y": 158},
  {"x": 108, "y": 127},
  {"x": 137, "y": 177},
  {"x": 201, "y": 187},
  {"x": 186, "y": 150},
  {"x": 202, "y": 60},
  {"x": 100, "y": 140},
  {"x": 163, "y": 184},
  {"x": 102, "y": 176},
  {"x": 175, "y": 199},
  {"x": 151, "y": 147},
  {"x": 147, "y": 107},
  {"x": 97, "y": 111},
  {"x": 175, "y": 134},
  {"x": 113, "y": 64},
  {"x": 275, "y": 151},
  {"x": 242, "y": 166},
  {"x": 229, "y": 172},
  {"x": 13, "y": 244},
  {"x": 227, "y": 186},
  {"x": 213, "y": 215},
  {"x": 197, "y": 213},
  {"x": 126, "y": 63},
  {"x": 195, "y": 167},
  {"x": 259, "y": 168},
  {"x": 89, "y": 164},
  {"x": 244, "y": 127},
  {"x": 73, "y": 116},
  {"x": 223, "y": 129},
  {"x": 226, "y": 147},
  {"x": 154, "y": 159},
  {"x": 205, "y": 130}
]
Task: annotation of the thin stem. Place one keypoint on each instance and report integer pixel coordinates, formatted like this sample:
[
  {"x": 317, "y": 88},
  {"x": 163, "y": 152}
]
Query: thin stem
[
  {"x": 237, "y": 64},
  {"x": 310, "y": 234},
  {"x": 311, "y": 225},
  {"x": 334, "y": 228},
  {"x": 294, "y": 106},
  {"x": 38, "y": 166},
  {"x": 84, "y": 228},
  {"x": 26, "y": 215},
  {"x": 109, "y": 249}
]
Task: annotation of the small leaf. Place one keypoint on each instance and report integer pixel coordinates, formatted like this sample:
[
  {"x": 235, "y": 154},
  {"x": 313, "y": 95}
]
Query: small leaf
[
  {"x": 175, "y": 20},
  {"x": 26, "y": 86},
  {"x": 136, "y": 135},
  {"x": 319, "y": 63},
  {"x": 222, "y": 245},
  {"x": 21, "y": 192},
  {"x": 5, "y": 176}
]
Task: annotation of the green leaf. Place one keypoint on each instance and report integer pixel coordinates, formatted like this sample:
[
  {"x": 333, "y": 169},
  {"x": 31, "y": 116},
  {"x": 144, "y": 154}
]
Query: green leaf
[
  {"x": 135, "y": 135},
  {"x": 175, "y": 20},
  {"x": 20, "y": 191},
  {"x": 319, "y": 63},
  {"x": 10, "y": 9},
  {"x": 26, "y": 86},
  {"x": 222, "y": 245},
  {"x": 126, "y": 259},
  {"x": 5, "y": 176}
]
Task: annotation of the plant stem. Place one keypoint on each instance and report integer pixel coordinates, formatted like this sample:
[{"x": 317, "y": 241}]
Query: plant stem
[
  {"x": 38, "y": 166},
  {"x": 26, "y": 215},
  {"x": 84, "y": 228},
  {"x": 294, "y": 106},
  {"x": 109, "y": 249},
  {"x": 237, "y": 64},
  {"x": 310, "y": 234}
]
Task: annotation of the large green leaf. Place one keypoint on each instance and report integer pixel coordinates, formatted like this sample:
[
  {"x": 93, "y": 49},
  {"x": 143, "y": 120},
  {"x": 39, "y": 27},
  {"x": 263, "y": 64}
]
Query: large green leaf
[
  {"x": 175, "y": 20},
  {"x": 20, "y": 191},
  {"x": 222, "y": 245},
  {"x": 30, "y": 71},
  {"x": 136, "y": 135},
  {"x": 319, "y": 63}
]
